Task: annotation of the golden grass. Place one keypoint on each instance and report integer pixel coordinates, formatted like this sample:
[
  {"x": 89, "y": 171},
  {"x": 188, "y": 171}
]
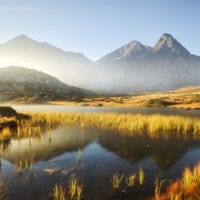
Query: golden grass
[
  {"x": 6, "y": 119},
  {"x": 186, "y": 98},
  {"x": 186, "y": 188},
  {"x": 71, "y": 192},
  {"x": 130, "y": 180},
  {"x": 154, "y": 126},
  {"x": 79, "y": 192},
  {"x": 116, "y": 181},
  {"x": 158, "y": 187},
  {"x": 73, "y": 185},
  {"x": 75, "y": 189},
  {"x": 7, "y": 126},
  {"x": 5, "y": 134},
  {"x": 59, "y": 192},
  {"x": 141, "y": 176}
]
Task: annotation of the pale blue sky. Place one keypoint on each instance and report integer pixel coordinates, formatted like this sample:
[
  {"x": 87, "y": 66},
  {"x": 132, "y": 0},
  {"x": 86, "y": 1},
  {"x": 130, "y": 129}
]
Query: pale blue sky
[{"x": 96, "y": 27}]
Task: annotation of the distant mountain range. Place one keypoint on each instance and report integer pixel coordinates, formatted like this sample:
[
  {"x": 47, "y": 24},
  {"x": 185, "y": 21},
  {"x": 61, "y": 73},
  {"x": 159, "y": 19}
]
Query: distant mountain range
[
  {"x": 132, "y": 68},
  {"x": 167, "y": 65},
  {"x": 21, "y": 84},
  {"x": 26, "y": 52}
]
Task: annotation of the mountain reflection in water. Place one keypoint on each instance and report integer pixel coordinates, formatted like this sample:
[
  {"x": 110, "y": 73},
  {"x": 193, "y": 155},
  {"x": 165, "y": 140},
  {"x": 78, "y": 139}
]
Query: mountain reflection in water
[{"x": 94, "y": 155}]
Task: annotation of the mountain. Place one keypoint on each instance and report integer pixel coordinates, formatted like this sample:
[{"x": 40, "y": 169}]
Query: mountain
[
  {"x": 167, "y": 45},
  {"x": 28, "y": 85},
  {"x": 132, "y": 68},
  {"x": 69, "y": 67},
  {"x": 134, "y": 51},
  {"x": 126, "y": 54},
  {"x": 136, "y": 67}
]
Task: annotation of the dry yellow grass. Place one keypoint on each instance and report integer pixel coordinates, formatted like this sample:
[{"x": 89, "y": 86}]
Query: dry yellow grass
[
  {"x": 59, "y": 192},
  {"x": 186, "y": 188},
  {"x": 154, "y": 126},
  {"x": 183, "y": 98},
  {"x": 7, "y": 126},
  {"x": 73, "y": 191},
  {"x": 116, "y": 180},
  {"x": 5, "y": 134}
]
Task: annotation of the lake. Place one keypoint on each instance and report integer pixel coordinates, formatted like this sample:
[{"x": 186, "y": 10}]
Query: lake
[
  {"x": 116, "y": 109},
  {"x": 32, "y": 166}
]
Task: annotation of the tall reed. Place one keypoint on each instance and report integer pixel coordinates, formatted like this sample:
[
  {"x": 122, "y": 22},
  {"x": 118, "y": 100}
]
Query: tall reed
[
  {"x": 155, "y": 126},
  {"x": 59, "y": 192},
  {"x": 116, "y": 181},
  {"x": 5, "y": 135},
  {"x": 186, "y": 188},
  {"x": 130, "y": 180},
  {"x": 141, "y": 176},
  {"x": 73, "y": 191}
]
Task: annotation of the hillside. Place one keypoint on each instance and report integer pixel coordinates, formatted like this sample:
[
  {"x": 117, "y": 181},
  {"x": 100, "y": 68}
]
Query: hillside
[
  {"x": 27, "y": 85},
  {"x": 69, "y": 67}
]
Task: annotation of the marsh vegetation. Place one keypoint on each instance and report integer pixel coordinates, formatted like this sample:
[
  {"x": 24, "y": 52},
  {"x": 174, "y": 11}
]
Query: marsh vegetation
[
  {"x": 68, "y": 170},
  {"x": 154, "y": 126},
  {"x": 72, "y": 191},
  {"x": 185, "y": 188}
]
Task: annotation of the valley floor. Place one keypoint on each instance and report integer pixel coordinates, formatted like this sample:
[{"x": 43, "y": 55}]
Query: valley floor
[{"x": 186, "y": 98}]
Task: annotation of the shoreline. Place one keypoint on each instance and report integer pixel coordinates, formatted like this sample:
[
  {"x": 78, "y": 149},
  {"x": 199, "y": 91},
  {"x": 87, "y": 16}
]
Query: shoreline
[{"x": 104, "y": 104}]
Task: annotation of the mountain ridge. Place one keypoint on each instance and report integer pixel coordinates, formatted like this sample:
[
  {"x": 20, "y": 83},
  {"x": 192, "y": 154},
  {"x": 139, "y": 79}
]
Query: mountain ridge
[
  {"x": 168, "y": 65},
  {"x": 131, "y": 68},
  {"x": 131, "y": 49},
  {"x": 25, "y": 39},
  {"x": 165, "y": 43}
]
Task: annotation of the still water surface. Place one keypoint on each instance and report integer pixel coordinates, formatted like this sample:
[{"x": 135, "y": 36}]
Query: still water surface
[
  {"x": 116, "y": 109},
  {"x": 94, "y": 156}
]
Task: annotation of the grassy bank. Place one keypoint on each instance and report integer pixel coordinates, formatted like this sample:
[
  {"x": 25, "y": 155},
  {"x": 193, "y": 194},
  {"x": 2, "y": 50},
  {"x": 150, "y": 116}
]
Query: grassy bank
[{"x": 152, "y": 125}]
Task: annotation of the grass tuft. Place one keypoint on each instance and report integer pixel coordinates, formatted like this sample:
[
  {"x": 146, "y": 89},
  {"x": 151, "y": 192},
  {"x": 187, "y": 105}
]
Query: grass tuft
[
  {"x": 187, "y": 187},
  {"x": 116, "y": 181},
  {"x": 130, "y": 180},
  {"x": 59, "y": 192},
  {"x": 141, "y": 176}
]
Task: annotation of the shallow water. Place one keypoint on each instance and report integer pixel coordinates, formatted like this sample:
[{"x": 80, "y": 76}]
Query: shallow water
[
  {"x": 94, "y": 156},
  {"x": 116, "y": 109}
]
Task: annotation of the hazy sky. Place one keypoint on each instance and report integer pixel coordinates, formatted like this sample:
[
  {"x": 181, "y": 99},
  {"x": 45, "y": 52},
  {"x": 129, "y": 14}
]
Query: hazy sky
[{"x": 96, "y": 27}]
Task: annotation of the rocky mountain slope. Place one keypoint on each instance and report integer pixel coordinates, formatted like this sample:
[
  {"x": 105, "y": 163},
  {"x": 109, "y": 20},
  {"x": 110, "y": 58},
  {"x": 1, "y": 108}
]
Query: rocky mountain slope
[
  {"x": 133, "y": 67},
  {"x": 167, "y": 65},
  {"x": 23, "y": 84}
]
